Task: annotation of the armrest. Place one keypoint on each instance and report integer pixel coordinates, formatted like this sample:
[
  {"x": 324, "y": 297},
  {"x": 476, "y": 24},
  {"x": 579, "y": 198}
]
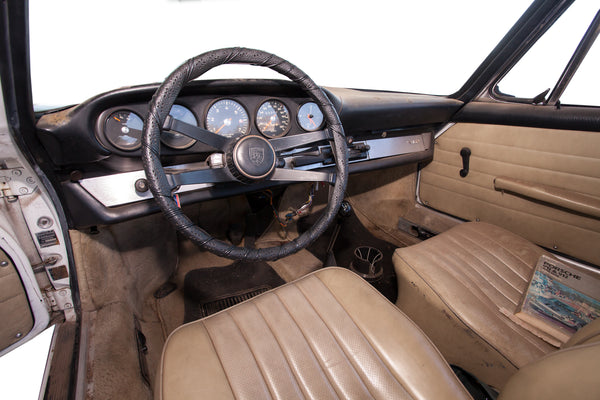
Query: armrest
[{"x": 569, "y": 200}]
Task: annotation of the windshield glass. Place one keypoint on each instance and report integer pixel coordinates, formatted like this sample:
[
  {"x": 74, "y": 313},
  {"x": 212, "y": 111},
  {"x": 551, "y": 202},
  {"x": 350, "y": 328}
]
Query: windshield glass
[{"x": 80, "y": 48}]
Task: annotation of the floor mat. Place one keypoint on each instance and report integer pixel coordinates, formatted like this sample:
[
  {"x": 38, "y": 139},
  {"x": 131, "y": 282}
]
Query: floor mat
[
  {"x": 209, "y": 290},
  {"x": 353, "y": 234}
]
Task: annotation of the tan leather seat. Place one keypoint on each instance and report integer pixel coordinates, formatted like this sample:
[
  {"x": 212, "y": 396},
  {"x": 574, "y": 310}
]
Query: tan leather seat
[
  {"x": 570, "y": 373},
  {"x": 331, "y": 335},
  {"x": 453, "y": 286},
  {"x": 327, "y": 335}
]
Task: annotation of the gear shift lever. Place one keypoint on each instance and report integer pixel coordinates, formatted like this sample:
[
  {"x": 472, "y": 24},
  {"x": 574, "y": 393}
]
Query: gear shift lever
[{"x": 344, "y": 212}]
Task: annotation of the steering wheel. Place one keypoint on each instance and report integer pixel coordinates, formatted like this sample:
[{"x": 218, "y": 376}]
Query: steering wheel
[{"x": 249, "y": 159}]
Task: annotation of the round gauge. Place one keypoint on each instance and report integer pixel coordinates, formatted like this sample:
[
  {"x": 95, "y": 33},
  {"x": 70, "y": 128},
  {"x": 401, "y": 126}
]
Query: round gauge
[
  {"x": 273, "y": 119},
  {"x": 123, "y": 129},
  {"x": 177, "y": 140},
  {"x": 227, "y": 118},
  {"x": 310, "y": 116}
]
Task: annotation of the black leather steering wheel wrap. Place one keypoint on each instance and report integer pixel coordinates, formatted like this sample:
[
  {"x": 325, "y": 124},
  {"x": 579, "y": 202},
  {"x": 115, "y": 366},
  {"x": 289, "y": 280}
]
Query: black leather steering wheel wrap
[{"x": 158, "y": 111}]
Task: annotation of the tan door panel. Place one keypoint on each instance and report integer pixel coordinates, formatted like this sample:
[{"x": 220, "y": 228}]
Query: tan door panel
[
  {"x": 15, "y": 312},
  {"x": 561, "y": 165}
]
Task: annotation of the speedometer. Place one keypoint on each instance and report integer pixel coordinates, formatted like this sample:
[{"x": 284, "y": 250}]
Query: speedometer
[
  {"x": 227, "y": 118},
  {"x": 273, "y": 119}
]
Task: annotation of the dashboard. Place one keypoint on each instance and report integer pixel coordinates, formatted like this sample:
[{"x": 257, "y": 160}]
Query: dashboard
[
  {"x": 119, "y": 128},
  {"x": 95, "y": 146}
]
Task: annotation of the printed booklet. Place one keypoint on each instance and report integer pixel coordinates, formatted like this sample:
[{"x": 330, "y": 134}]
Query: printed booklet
[{"x": 560, "y": 300}]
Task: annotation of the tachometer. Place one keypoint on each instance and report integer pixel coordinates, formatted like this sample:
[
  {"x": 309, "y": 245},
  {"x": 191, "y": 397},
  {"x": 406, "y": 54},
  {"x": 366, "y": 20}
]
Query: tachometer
[
  {"x": 310, "y": 116},
  {"x": 273, "y": 119},
  {"x": 177, "y": 140},
  {"x": 227, "y": 118},
  {"x": 123, "y": 129}
]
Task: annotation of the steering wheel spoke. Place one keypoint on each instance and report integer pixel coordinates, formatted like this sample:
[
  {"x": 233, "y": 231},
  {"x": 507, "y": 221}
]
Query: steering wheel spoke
[
  {"x": 202, "y": 135},
  {"x": 299, "y": 175},
  {"x": 208, "y": 175},
  {"x": 250, "y": 159},
  {"x": 303, "y": 139}
]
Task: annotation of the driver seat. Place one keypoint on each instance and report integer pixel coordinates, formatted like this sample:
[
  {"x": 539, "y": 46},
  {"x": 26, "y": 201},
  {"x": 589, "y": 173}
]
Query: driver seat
[{"x": 331, "y": 335}]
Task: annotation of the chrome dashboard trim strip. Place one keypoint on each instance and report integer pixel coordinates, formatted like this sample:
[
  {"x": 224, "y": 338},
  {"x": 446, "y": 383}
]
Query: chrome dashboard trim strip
[{"x": 119, "y": 189}]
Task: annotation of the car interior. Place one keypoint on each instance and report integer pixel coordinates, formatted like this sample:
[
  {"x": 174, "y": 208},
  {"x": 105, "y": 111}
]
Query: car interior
[{"x": 273, "y": 238}]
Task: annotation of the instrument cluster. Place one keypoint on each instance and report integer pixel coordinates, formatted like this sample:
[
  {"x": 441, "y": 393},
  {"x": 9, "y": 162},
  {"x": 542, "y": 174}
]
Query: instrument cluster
[{"x": 121, "y": 127}]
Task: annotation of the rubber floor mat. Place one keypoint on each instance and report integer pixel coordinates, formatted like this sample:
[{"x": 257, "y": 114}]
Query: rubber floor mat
[{"x": 209, "y": 290}]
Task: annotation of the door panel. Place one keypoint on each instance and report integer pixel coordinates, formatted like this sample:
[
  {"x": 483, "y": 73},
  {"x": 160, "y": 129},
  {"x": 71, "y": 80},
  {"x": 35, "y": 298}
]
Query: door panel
[
  {"x": 23, "y": 310},
  {"x": 556, "y": 161},
  {"x": 15, "y": 313}
]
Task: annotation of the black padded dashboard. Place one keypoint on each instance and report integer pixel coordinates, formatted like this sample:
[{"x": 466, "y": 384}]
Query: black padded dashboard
[{"x": 74, "y": 139}]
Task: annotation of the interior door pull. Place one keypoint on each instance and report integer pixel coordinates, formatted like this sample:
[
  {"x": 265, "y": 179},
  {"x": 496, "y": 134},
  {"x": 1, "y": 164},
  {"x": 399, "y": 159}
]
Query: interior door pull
[{"x": 465, "y": 153}]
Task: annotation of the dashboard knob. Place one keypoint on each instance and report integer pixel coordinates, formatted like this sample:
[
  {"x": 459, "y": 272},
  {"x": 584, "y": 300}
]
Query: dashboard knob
[{"x": 141, "y": 185}]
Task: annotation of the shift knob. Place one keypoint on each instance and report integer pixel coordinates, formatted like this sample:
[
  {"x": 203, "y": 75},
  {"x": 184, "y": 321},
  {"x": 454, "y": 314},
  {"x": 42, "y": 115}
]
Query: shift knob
[{"x": 345, "y": 209}]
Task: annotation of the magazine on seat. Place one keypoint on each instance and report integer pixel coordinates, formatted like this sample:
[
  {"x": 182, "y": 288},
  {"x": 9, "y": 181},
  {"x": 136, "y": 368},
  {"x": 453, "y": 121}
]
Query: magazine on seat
[{"x": 561, "y": 299}]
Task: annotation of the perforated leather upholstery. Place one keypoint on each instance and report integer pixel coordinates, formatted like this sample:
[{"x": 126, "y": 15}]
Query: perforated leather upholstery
[
  {"x": 327, "y": 335},
  {"x": 453, "y": 286}
]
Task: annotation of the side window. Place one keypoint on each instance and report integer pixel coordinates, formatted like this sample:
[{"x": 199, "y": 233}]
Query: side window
[
  {"x": 538, "y": 72},
  {"x": 584, "y": 88}
]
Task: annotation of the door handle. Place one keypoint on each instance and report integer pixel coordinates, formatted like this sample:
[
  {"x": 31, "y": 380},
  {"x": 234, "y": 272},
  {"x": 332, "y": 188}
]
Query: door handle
[{"x": 465, "y": 153}]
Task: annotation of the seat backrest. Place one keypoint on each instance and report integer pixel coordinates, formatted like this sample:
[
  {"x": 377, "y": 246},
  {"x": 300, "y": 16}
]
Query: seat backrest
[
  {"x": 569, "y": 373},
  {"x": 588, "y": 334}
]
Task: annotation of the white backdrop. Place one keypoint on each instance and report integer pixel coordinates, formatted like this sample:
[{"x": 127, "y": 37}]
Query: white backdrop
[
  {"x": 81, "y": 48},
  {"x": 427, "y": 46}
]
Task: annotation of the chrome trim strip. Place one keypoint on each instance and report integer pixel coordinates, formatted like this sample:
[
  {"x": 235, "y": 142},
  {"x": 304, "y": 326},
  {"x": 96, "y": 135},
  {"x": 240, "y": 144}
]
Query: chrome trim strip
[
  {"x": 119, "y": 189},
  {"x": 385, "y": 147},
  {"x": 443, "y": 129}
]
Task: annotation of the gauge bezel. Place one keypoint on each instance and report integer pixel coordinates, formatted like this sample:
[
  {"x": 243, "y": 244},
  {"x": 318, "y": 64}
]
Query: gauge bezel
[
  {"x": 191, "y": 141},
  {"x": 108, "y": 138},
  {"x": 287, "y": 130},
  {"x": 213, "y": 102},
  {"x": 298, "y": 117}
]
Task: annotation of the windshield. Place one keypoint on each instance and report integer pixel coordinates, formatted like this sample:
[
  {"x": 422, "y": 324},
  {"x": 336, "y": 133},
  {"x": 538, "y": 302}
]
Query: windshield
[{"x": 80, "y": 48}]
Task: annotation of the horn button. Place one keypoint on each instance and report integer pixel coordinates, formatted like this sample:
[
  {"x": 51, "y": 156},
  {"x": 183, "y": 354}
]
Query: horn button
[{"x": 252, "y": 158}]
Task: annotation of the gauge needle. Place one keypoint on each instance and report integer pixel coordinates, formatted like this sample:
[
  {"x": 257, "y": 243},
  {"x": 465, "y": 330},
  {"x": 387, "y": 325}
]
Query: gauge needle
[
  {"x": 311, "y": 120},
  {"x": 221, "y": 127},
  {"x": 226, "y": 122},
  {"x": 117, "y": 119}
]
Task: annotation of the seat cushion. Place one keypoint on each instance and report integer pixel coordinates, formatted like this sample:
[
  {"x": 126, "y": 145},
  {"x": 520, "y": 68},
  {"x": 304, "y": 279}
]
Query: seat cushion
[
  {"x": 453, "y": 286},
  {"x": 327, "y": 335}
]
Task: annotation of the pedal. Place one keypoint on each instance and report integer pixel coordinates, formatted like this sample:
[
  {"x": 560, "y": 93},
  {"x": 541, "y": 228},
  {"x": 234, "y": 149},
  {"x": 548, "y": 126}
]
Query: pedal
[
  {"x": 142, "y": 349},
  {"x": 165, "y": 289},
  {"x": 235, "y": 234}
]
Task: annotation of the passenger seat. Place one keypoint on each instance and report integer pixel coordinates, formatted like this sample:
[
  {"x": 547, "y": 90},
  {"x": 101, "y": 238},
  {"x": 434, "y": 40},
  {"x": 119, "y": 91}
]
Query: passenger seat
[{"x": 454, "y": 285}]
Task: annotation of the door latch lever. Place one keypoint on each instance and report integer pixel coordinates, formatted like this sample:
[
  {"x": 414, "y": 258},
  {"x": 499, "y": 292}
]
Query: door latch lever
[{"x": 465, "y": 153}]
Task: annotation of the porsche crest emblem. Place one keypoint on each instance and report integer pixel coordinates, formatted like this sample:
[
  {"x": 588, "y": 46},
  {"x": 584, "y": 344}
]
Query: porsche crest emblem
[{"x": 257, "y": 155}]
